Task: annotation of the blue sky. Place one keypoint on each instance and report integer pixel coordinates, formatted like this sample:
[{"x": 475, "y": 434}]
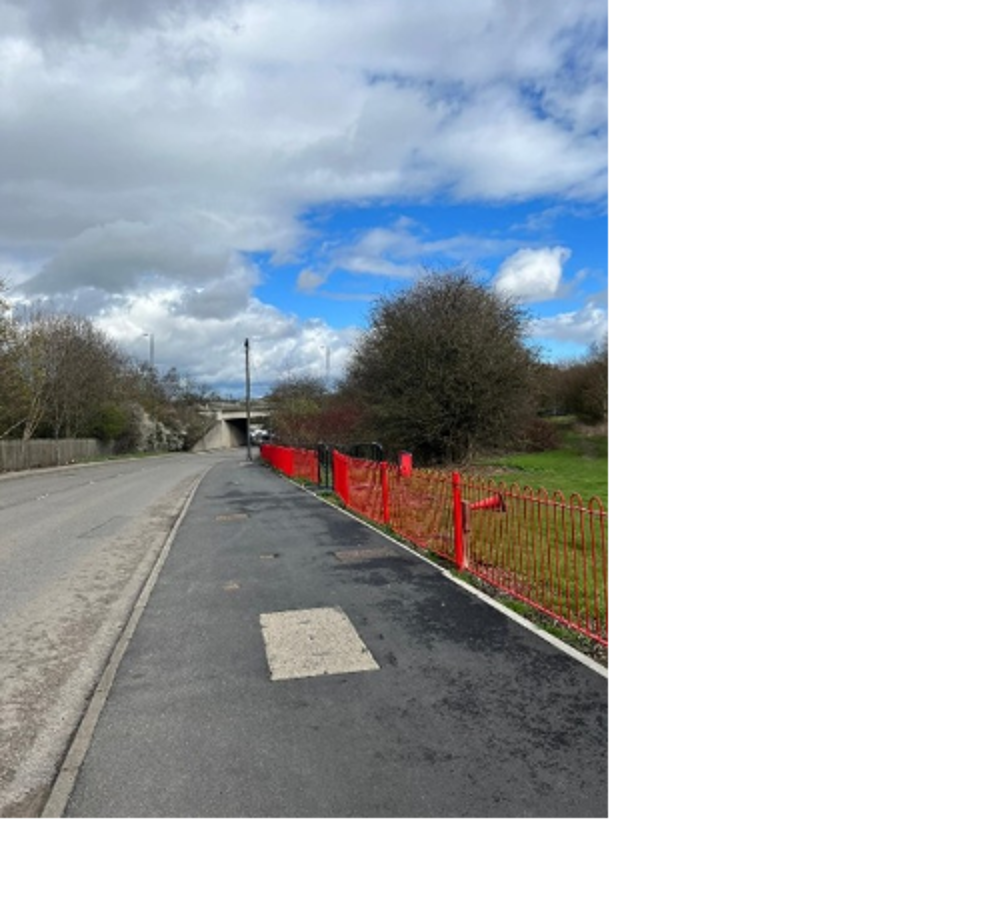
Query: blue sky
[{"x": 227, "y": 169}]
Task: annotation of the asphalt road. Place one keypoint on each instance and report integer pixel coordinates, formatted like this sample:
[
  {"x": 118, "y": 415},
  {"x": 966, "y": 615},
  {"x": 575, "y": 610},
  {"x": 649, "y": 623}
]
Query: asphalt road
[
  {"x": 76, "y": 546},
  {"x": 292, "y": 662}
]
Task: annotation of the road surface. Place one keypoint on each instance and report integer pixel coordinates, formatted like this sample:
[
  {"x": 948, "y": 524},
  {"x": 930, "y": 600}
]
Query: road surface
[{"x": 76, "y": 546}]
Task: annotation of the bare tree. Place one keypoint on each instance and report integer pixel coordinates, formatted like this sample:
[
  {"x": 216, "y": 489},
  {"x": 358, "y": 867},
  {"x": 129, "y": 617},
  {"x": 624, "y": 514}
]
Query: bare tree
[
  {"x": 578, "y": 387},
  {"x": 25, "y": 380},
  {"x": 84, "y": 375},
  {"x": 5, "y": 308},
  {"x": 11, "y": 388},
  {"x": 444, "y": 369},
  {"x": 606, "y": 362},
  {"x": 296, "y": 408},
  {"x": 60, "y": 375}
]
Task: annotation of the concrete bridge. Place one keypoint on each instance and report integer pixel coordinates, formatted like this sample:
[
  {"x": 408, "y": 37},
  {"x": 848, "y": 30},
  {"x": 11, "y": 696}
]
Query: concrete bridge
[{"x": 230, "y": 427}]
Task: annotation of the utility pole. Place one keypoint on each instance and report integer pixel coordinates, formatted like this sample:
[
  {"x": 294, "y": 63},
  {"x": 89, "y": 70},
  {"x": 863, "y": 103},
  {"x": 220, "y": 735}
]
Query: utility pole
[{"x": 246, "y": 345}]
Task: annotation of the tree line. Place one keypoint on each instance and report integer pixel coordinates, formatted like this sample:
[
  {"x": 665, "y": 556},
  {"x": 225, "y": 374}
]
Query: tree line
[
  {"x": 62, "y": 378},
  {"x": 444, "y": 371}
]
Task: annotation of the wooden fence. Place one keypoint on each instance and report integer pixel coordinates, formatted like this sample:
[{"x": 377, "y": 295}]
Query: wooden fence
[{"x": 20, "y": 455}]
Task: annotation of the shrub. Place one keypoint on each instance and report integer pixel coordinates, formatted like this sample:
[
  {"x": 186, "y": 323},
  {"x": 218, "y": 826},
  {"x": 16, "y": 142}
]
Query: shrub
[{"x": 541, "y": 436}]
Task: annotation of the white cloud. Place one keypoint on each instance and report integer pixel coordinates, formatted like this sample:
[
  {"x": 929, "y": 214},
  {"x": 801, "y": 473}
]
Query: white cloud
[
  {"x": 309, "y": 280},
  {"x": 532, "y": 275},
  {"x": 148, "y": 148},
  {"x": 583, "y": 327},
  {"x": 211, "y": 348},
  {"x": 399, "y": 251}
]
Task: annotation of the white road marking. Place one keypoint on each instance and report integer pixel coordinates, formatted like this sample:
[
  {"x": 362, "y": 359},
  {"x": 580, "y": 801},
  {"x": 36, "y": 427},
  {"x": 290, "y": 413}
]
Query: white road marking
[{"x": 304, "y": 643}]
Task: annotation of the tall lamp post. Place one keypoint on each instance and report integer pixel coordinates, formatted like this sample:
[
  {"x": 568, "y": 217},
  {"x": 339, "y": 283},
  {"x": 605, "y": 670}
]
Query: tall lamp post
[
  {"x": 246, "y": 347},
  {"x": 149, "y": 335}
]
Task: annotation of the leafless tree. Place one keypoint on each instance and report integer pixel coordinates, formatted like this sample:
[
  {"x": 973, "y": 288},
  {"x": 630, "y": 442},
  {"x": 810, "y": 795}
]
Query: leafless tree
[
  {"x": 578, "y": 388},
  {"x": 84, "y": 373},
  {"x": 62, "y": 377},
  {"x": 296, "y": 407},
  {"x": 11, "y": 390},
  {"x": 606, "y": 362},
  {"x": 304, "y": 411},
  {"x": 25, "y": 377}
]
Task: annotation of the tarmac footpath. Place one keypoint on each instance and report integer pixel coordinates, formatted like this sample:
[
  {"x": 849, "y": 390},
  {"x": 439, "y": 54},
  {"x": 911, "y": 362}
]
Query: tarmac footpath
[{"x": 292, "y": 662}]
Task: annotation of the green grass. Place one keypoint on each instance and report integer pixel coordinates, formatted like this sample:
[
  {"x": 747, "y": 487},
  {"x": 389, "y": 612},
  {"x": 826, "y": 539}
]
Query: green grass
[{"x": 580, "y": 466}]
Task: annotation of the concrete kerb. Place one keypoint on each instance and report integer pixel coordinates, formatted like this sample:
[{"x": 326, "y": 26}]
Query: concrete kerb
[{"x": 69, "y": 769}]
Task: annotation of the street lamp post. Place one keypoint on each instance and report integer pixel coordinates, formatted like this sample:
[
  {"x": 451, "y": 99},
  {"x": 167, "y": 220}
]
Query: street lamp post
[
  {"x": 149, "y": 335},
  {"x": 246, "y": 348}
]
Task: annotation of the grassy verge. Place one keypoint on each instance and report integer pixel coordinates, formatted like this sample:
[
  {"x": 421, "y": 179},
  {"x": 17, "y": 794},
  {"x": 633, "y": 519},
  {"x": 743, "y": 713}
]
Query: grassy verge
[{"x": 579, "y": 465}]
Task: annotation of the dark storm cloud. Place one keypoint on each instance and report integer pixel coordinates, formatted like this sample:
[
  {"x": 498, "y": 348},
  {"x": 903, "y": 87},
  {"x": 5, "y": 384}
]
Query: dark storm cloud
[
  {"x": 58, "y": 20},
  {"x": 121, "y": 256}
]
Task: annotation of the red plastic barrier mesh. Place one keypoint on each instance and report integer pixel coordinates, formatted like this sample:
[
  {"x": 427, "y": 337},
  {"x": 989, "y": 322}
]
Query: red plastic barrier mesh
[
  {"x": 420, "y": 509},
  {"x": 299, "y": 463}
]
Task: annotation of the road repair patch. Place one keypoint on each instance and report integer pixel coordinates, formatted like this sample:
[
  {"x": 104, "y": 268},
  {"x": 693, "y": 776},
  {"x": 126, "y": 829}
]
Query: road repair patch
[
  {"x": 320, "y": 642},
  {"x": 361, "y": 554}
]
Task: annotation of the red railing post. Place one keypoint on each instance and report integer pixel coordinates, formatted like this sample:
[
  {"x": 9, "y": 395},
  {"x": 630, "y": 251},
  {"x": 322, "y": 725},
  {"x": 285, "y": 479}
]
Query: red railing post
[
  {"x": 459, "y": 518},
  {"x": 384, "y": 470}
]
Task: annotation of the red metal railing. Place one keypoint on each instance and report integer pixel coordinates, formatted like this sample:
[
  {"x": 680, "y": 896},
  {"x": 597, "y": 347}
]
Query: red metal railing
[{"x": 546, "y": 550}]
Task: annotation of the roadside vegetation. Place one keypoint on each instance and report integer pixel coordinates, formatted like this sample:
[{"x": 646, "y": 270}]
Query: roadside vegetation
[
  {"x": 63, "y": 378},
  {"x": 579, "y": 464},
  {"x": 445, "y": 373}
]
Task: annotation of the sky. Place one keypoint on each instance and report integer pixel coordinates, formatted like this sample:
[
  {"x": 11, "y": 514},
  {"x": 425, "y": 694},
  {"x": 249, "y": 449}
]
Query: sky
[{"x": 193, "y": 173}]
